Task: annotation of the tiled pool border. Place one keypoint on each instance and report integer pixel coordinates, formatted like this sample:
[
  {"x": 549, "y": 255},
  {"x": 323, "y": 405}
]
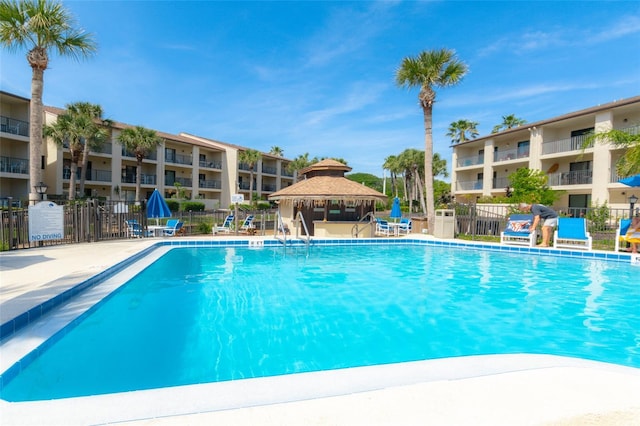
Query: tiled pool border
[{"x": 10, "y": 327}]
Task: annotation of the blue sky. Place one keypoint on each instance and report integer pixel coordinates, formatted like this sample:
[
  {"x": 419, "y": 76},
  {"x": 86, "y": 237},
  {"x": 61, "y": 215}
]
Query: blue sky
[{"x": 318, "y": 77}]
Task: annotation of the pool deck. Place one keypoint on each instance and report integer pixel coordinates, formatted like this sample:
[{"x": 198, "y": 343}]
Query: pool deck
[{"x": 488, "y": 390}]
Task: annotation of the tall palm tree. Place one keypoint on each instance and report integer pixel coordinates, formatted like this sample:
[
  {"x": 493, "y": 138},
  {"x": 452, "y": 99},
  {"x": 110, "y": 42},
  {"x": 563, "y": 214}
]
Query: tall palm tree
[
  {"x": 433, "y": 68},
  {"x": 141, "y": 141},
  {"x": 392, "y": 164},
  {"x": 629, "y": 163},
  {"x": 508, "y": 122},
  {"x": 65, "y": 132},
  {"x": 250, "y": 157},
  {"x": 276, "y": 150},
  {"x": 300, "y": 162},
  {"x": 95, "y": 135},
  {"x": 458, "y": 130},
  {"x": 40, "y": 26}
]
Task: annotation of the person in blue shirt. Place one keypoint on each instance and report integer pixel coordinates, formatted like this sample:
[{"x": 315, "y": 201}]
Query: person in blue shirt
[{"x": 545, "y": 213}]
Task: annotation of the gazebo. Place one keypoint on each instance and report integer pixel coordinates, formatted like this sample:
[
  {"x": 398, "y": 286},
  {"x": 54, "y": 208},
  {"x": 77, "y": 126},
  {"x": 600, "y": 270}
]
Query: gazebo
[{"x": 330, "y": 204}]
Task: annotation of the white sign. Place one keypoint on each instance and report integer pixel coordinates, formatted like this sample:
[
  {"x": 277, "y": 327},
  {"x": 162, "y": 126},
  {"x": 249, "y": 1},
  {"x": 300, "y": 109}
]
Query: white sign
[
  {"x": 237, "y": 198},
  {"x": 46, "y": 221},
  {"x": 120, "y": 208}
]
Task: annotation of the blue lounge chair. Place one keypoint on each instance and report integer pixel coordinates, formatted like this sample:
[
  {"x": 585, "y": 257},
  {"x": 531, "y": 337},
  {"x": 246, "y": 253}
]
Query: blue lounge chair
[
  {"x": 622, "y": 231},
  {"x": 518, "y": 231},
  {"x": 173, "y": 228},
  {"x": 247, "y": 225},
  {"x": 572, "y": 233},
  {"x": 134, "y": 230},
  {"x": 226, "y": 225}
]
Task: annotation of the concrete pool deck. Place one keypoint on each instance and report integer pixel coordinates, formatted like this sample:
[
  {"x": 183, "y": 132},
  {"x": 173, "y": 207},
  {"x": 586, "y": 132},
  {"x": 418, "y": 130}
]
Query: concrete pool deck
[{"x": 494, "y": 390}]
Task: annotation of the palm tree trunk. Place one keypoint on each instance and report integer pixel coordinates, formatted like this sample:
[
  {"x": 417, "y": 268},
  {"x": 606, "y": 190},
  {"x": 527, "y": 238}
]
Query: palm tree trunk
[
  {"x": 35, "y": 132},
  {"x": 428, "y": 165},
  {"x": 138, "y": 180},
  {"x": 72, "y": 180},
  {"x": 85, "y": 164}
]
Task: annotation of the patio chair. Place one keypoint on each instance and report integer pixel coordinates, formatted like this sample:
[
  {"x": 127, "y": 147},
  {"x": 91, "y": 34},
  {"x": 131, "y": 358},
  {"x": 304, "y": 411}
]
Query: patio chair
[
  {"x": 226, "y": 225},
  {"x": 517, "y": 231},
  {"x": 572, "y": 233},
  {"x": 173, "y": 228},
  {"x": 247, "y": 225},
  {"x": 383, "y": 228},
  {"x": 623, "y": 227},
  {"x": 134, "y": 230},
  {"x": 405, "y": 226}
]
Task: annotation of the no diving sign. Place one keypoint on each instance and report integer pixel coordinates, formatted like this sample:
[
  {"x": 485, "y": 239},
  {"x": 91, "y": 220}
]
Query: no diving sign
[{"x": 46, "y": 222}]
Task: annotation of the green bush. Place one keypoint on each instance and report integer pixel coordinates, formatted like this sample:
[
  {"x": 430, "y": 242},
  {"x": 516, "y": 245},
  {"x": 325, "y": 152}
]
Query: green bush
[
  {"x": 204, "y": 228},
  {"x": 193, "y": 206},
  {"x": 174, "y": 206}
]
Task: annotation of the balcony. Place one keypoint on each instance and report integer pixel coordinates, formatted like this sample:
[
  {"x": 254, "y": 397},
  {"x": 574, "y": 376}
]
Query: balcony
[
  {"x": 270, "y": 170},
  {"x": 469, "y": 185},
  {"x": 510, "y": 154},
  {"x": 470, "y": 161},
  {"x": 185, "y": 182},
  {"x": 13, "y": 126},
  {"x": 502, "y": 182},
  {"x": 211, "y": 164},
  {"x": 179, "y": 159},
  {"x": 268, "y": 188},
  {"x": 145, "y": 179},
  {"x": 153, "y": 155},
  {"x": 574, "y": 143},
  {"x": 14, "y": 165},
  {"x": 209, "y": 184},
  {"x": 286, "y": 172},
  {"x": 106, "y": 148},
  {"x": 580, "y": 177},
  {"x": 94, "y": 175}
]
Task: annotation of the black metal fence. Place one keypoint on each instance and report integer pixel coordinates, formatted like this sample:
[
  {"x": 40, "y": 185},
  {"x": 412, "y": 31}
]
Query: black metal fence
[{"x": 95, "y": 220}]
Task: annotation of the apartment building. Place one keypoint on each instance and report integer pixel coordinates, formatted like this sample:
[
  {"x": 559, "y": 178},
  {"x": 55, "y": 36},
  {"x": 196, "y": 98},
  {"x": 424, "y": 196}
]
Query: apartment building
[
  {"x": 481, "y": 166},
  {"x": 207, "y": 170}
]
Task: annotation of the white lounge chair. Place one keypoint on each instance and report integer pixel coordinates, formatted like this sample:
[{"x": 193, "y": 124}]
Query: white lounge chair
[
  {"x": 226, "y": 225},
  {"x": 572, "y": 233},
  {"x": 173, "y": 228},
  {"x": 518, "y": 232},
  {"x": 383, "y": 228},
  {"x": 247, "y": 225}
]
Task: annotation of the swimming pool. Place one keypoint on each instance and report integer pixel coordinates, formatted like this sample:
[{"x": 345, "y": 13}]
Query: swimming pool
[{"x": 227, "y": 313}]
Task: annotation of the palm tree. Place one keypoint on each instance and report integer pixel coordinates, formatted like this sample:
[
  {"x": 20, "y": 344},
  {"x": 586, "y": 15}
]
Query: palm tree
[
  {"x": 434, "y": 68},
  {"x": 458, "y": 130},
  {"x": 66, "y": 133},
  {"x": 96, "y": 135},
  {"x": 141, "y": 142},
  {"x": 508, "y": 122},
  {"x": 300, "y": 162},
  {"x": 629, "y": 163},
  {"x": 250, "y": 157},
  {"x": 276, "y": 150},
  {"x": 40, "y": 26},
  {"x": 392, "y": 164}
]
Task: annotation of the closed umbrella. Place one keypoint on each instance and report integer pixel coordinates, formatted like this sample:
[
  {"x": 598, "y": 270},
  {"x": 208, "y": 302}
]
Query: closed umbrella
[
  {"x": 157, "y": 207},
  {"x": 631, "y": 180},
  {"x": 396, "y": 213}
]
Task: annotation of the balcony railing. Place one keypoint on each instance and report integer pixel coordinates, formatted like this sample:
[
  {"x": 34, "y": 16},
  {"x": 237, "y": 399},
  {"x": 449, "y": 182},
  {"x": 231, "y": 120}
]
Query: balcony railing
[
  {"x": 145, "y": 179},
  {"x": 470, "y": 161},
  {"x": 469, "y": 185},
  {"x": 153, "y": 155},
  {"x": 580, "y": 177},
  {"x": 269, "y": 169},
  {"x": 106, "y": 148},
  {"x": 268, "y": 188},
  {"x": 501, "y": 182},
  {"x": 13, "y": 126},
  {"x": 179, "y": 159},
  {"x": 510, "y": 154},
  {"x": 574, "y": 143},
  {"x": 244, "y": 166},
  {"x": 243, "y": 185},
  {"x": 14, "y": 165},
  {"x": 210, "y": 184},
  {"x": 186, "y": 182},
  {"x": 286, "y": 172},
  {"x": 211, "y": 164}
]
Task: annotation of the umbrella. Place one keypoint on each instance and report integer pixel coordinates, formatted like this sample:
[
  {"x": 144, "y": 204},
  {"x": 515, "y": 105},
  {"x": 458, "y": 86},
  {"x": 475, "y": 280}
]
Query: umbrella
[
  {"x": 396, "y": 213},
  {"x": 157, "y": 207},
  {"x": 631, "y": 180}
]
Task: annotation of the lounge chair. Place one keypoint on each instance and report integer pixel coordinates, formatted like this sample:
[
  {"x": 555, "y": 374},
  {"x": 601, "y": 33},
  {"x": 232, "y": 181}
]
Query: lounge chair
[
  {"x": 517, "y": 231},
  {"x": 623, "y": 227},
  {"x": 405, "y": 226},
  {"x": 135, "y": 230},
  {"x": 226, "y": 225},
  {"x": 383, "y": 228},
  {"x": 173, "y": 228},
  {"x": 572, "y": 233},
  {"x": 247, "y": 225}
]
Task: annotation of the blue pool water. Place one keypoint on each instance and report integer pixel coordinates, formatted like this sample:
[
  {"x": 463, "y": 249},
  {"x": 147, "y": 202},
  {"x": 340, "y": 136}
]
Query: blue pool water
[{"x": 202, "y": 315}]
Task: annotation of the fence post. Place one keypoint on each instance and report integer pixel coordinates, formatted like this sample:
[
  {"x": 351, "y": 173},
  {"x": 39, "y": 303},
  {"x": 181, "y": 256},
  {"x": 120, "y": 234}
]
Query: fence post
[{"x": 10, "y": 240}]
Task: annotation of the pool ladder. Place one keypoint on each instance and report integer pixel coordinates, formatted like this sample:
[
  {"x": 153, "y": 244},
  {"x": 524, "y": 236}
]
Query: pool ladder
[{"x": 281, "y": 230}]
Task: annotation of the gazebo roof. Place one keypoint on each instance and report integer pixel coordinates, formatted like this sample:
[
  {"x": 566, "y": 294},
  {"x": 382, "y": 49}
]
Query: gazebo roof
[{"x": 322, "y": 188}]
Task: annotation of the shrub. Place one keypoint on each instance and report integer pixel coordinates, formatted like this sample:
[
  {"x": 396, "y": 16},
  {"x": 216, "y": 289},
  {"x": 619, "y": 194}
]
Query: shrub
[
  {"x": 174, "y": 206},
  {"x": 193, "y": 206}
]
